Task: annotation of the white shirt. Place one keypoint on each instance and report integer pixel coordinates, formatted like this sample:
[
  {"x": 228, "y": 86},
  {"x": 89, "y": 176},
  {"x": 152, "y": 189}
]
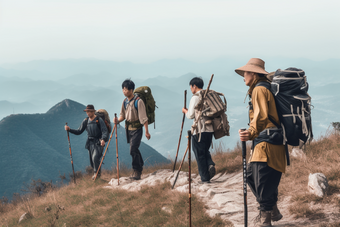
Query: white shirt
[
  {"x": 192, "y": 112},
  {"x": 193, "y": 102}
]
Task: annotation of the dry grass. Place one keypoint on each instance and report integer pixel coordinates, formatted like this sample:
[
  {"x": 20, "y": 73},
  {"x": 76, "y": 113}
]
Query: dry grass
[
  {"x": 337, "y": 224},
  {"x": 87, "y": 203},
  {"x": 323, "y": 156}
]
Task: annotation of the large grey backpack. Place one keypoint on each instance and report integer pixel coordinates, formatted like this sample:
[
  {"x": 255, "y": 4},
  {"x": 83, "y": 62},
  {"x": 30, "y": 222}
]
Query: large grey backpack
[{"x": 213, "y": 109}]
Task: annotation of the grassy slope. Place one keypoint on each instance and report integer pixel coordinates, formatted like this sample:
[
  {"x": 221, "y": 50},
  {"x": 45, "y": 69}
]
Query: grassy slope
[{"x": 88, "y": 204}]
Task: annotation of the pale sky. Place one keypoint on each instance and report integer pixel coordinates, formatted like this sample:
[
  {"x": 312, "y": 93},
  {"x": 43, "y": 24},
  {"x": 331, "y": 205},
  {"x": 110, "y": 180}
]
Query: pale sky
[{"x": 146, "y": 31}]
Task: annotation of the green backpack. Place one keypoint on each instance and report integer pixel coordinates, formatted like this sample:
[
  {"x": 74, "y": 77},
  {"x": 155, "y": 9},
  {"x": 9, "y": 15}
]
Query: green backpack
[{"x": 144, "y": 92}]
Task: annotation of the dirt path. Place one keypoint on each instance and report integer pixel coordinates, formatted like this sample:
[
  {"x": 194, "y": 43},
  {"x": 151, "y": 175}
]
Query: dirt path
[{"x": 223, "y": 196}]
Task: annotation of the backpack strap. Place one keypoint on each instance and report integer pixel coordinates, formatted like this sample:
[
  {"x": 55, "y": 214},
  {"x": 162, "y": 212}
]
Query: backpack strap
[
  {"x": 136, "y": 99},
  {"x": 136, "y": 102},
  {"x": 264, "y": 84},
  {"x": 126, "y": 101},
  {"x": 96, "y": 119},
  {"x": 268, "y": 86}
]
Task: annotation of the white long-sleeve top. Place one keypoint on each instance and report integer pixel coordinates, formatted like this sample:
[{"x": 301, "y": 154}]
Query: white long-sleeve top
[{"x": 192, "y": 113}]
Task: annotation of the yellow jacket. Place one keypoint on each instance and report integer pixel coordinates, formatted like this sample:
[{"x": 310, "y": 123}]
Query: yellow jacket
[{"x": 264, "y": 105}]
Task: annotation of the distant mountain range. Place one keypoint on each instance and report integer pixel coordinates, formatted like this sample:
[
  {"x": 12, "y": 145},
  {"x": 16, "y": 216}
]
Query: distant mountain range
[
  {"x": 35, "y": 146},
  {"x": 41, "y": 84}
]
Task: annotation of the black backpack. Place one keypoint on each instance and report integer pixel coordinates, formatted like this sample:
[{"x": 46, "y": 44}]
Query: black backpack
[
  {"x": 293, "y": 104},
  {"x": 103, "y": 114}
]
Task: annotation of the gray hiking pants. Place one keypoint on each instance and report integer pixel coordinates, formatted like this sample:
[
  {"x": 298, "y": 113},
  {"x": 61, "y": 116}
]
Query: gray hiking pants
[
  {"x": 135, "y": 138},
  {"x": 95, "y": 153}
]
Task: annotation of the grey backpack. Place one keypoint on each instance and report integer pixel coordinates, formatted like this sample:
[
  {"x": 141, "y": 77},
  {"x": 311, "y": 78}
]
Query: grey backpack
[{"x": 213, "y": 109}]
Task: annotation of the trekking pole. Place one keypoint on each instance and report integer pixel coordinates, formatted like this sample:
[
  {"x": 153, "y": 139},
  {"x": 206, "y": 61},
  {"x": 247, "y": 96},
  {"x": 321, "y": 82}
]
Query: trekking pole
[
  {"x": 244, "y": 154},
  {"x": 117, "y": 150},
  {"x": 189, "y": 160},
  {"x": 180, "y": 167},
  {"x": 107, "y": 146},
  {"x": 180, "y": 135},
  {"x": 69, "y": 145}
]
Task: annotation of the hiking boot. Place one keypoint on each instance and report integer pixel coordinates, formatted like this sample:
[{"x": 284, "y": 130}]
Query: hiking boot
[
  {"x": 204, "y": 182},
  {"x": 94, "y": 176},
  {"x": 212, "y": 171},
  {"x": 276, "y": 215},
  {"x": 265, "y": 219},
  {"x": 136, "y": 175}
]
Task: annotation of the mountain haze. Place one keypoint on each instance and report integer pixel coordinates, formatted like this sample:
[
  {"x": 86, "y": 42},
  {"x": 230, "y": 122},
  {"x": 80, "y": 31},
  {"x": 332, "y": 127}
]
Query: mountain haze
[
  {"x": 99, "y": 83},
  {"x": 35, "y": 146}
]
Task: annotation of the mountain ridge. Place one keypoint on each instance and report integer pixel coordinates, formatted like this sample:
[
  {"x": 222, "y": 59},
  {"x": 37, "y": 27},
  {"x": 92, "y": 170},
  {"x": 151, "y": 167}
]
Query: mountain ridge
[{"x": 35, "y": 146}]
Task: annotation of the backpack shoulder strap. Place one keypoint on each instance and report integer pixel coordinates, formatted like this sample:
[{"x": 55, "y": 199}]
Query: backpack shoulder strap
[
  {"x": 136, "y": 102},
  {"x": 125, "y": 102},
  {"x": 268, "y": 86},
  {"x": 264, "y": 84}
]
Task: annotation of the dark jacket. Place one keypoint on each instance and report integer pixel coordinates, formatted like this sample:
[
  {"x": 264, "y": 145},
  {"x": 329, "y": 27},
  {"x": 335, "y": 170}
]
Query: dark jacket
[{"x": 96, "y": 130}]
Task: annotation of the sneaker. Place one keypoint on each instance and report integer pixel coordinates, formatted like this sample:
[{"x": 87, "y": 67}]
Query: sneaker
[{"x": 212, "y": 171}]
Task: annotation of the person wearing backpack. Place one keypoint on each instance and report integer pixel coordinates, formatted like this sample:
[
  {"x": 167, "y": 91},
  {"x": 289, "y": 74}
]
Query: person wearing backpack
[
  {"x": 206, "y": 166},
  {"x": 133, "y": 111},
  {"x": 267, "y": 159},
  {"x": 97, "y": 135}
]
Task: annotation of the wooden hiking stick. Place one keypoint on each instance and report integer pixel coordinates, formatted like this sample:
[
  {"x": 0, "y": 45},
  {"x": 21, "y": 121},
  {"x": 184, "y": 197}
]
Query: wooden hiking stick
[
  {"x": 207, "y": 90},
  {"x": 244, "y": 155},
  {"x": 69, "y": 145},
  {"x": 189, "y": 160},
  {"x": 180, "y": 167},
  {"x": 117, "y": 150},
  {"x": 180, "y": 135},
  {"x": 107, "y": 146}
]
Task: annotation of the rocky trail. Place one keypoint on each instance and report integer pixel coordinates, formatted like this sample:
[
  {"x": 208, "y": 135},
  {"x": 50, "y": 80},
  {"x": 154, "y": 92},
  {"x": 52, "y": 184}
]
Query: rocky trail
[{"x": 223, "y": 196}]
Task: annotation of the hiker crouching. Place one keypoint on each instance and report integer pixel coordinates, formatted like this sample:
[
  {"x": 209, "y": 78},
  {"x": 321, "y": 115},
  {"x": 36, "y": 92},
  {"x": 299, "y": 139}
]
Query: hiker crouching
[
  {"x": 97, "y": 135},
  {"x": 134, "y": 113},
  {"x": 206, "y": 166},
  {"x": 267, "y": 158}
]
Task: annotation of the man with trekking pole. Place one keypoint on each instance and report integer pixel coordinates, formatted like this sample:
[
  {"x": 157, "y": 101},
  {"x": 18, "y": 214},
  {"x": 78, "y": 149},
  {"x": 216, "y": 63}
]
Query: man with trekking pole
[
  {"x": 97, "y": 135},
  {"x": 206, "y": 166},
  {"x": 267, "y": 158},
  {"x": 133, "y": 111}
]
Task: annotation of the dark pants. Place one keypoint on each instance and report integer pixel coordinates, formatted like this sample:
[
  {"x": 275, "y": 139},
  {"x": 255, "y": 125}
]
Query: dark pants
[
  {"x": 135, "y": 137},
  {"x": 95, "y": 153},
  {"x": 264, "y": 182},
  {"x": 202, "y": 154}
]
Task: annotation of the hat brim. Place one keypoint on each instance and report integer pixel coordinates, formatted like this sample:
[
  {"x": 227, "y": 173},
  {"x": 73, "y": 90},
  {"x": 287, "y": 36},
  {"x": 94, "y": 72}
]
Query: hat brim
[{"x": 250, "y": 68}]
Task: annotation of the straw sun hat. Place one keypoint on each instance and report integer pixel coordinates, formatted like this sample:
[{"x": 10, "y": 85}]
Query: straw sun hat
[{"x": 255, "y": 65}]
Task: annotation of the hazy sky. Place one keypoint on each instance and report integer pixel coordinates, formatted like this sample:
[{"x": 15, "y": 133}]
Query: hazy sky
[{"x": 145, "y": 31}]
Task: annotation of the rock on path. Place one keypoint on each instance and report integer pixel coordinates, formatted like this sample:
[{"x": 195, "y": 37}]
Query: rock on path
[{"x": 223, "y": 196}]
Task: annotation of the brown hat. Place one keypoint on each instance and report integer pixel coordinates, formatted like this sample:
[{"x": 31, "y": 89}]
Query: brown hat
[
  {"x": 255, "y": 65},
  {"x": 89, "y": 108}
]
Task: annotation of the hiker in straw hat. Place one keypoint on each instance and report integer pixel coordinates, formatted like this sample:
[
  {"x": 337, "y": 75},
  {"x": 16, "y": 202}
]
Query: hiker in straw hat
[
  {"x": 267, "y": 159},
  {"x": 97, "y": 134}
]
